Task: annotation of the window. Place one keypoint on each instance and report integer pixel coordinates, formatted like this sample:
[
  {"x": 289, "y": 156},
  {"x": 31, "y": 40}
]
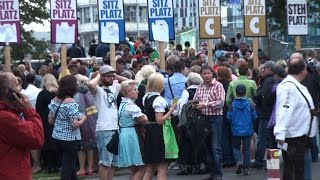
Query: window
[
  {"x": 80, "y": 16},
  {"x": 95, "y": 14},
  {"x": 130, "y": 13},
  {"x": 143, "y": 14},
  {"x": 86, "y": 15}
]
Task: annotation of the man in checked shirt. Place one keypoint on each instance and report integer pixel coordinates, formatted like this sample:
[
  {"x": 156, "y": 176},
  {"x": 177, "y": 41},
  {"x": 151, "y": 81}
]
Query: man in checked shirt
[{"x": 211, "y": 97}]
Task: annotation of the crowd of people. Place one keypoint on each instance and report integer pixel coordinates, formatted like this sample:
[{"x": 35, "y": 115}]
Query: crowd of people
[{"x": 190, "y": 116}]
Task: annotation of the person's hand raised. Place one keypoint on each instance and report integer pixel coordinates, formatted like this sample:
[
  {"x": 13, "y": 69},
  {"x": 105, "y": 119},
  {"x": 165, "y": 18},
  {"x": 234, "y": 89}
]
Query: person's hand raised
[{"x": 21, "y": 102}]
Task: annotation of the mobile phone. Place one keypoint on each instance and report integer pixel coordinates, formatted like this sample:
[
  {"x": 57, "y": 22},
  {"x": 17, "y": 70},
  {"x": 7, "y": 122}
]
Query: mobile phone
[{"x": 10, "y": 94}]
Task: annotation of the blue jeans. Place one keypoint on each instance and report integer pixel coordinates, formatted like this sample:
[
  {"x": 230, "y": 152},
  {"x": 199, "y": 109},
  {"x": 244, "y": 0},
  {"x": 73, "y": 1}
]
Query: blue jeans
[
  {"x": 307, "y": 165},
  {"x": 314, "y": 148},
  {"x": 265, "y": 140},
  {"x": 214, "y": 147},
  {"x": 227, "y": 154},
  {"x": 236, "y": 145}
]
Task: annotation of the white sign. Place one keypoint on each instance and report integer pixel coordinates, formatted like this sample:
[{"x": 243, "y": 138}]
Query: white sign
[{"x": 297, "y": 17}]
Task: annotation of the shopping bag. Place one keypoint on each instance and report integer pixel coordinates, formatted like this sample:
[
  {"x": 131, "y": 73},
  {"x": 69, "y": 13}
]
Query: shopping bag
[{"x": 170, "y": 142}]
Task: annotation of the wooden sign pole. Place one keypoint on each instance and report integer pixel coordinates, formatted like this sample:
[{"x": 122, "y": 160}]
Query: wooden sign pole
[
  {"x": 113, "y": 55},
  {"x": 298, "y": 42},
  {"x": 210, "y": 60},
  {"x": 161, "y": 54},
  {"x": 7, "y": 58},
  {"x": 255, "y": 52},
  {"x": 64, "y": 68}
]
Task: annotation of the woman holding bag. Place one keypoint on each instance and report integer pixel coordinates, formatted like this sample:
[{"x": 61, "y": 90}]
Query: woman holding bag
[
  {"x": 130, "y": 115},
  {"x": 156, "y": 152}
]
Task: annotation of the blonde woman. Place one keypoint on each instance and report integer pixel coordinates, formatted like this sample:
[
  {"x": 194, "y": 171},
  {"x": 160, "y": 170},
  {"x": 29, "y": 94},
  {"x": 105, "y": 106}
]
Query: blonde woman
[
  {"x": 130, "y": 115},
  {"x": 158, "y": 112},
  {"x": 49, "y": 152}
]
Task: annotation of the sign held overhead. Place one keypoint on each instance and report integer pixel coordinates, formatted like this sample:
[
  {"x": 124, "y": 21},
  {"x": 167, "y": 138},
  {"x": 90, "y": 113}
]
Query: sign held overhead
[
  {"x": 209, "y": 19},
  {"x": 297, "y": 17},
  {"x": 255, "y": 18}
]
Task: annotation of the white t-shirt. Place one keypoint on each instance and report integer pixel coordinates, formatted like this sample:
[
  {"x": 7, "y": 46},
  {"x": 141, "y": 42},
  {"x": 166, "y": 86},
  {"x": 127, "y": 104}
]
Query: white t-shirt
[
  {"x": 32, "y": 93},
  {"x": 106, "y": 104}
]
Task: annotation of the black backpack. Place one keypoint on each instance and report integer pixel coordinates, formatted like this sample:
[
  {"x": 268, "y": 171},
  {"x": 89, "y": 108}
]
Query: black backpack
[{"x": 189, "y": 113}]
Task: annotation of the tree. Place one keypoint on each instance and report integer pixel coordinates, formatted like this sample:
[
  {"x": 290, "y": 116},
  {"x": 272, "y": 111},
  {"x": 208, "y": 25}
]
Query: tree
[{"x": 31, "y": 11}]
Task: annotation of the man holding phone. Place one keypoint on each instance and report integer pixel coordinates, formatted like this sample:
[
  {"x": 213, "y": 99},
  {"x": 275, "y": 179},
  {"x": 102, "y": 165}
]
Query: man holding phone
[{"x": 18, "y": 135}]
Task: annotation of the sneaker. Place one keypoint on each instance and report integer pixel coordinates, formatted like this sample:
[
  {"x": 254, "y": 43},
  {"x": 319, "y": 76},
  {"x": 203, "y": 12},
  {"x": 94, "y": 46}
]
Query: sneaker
[
  {"x": 245, "y": 171},
  {"x": 173, "y": 166},
  {"x": 239, "y": 169},
  {"x": 256, "y": 165}
]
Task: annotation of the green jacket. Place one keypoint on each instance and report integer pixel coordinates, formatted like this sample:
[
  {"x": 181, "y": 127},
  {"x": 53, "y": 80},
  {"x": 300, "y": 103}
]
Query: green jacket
[{"x": 251, "y": 88}]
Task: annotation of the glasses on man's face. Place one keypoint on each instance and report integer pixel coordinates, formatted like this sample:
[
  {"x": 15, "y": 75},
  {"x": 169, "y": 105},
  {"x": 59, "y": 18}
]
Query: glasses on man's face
[{"x": 108, "y": 75}]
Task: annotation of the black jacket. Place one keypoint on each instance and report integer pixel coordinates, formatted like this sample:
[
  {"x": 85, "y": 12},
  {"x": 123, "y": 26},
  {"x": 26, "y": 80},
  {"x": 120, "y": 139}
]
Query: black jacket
[
  {"x": 265, "y": 98},
  {"x": 312, "y": 82}
]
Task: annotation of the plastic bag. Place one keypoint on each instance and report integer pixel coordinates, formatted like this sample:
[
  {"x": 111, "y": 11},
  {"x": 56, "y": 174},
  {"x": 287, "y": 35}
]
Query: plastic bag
[{"x": 170, "y": 142}]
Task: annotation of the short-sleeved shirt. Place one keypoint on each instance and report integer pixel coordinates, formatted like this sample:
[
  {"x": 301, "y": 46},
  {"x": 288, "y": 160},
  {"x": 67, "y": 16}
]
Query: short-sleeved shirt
[
  {"x": 63, "y": 125},
  {"x": 132, "y": 110},
  {"x": 106, "y": 103},
  {"x": 159, "y": 104}
]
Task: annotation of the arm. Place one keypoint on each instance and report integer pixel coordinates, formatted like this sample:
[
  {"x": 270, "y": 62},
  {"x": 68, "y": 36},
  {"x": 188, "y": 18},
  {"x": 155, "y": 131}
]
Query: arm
[
  {"x": 284, "y": 109},
  {"x": 142, "y": 120},
  {"x": 121, "y": 78},
  {"x": 161, "y": 117},
  {"x": 78, "y": 123},
  {"x": 92, "y": 85},
  {"x": 159, "y": 107}
]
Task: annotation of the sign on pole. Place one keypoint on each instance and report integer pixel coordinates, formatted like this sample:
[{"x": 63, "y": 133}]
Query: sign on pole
[
  {"x": 209, "y": 19},
  {"x": 111, "y": 21},
  {"x": 10, "y": 22},
  {"x": 161, "y": 20},
  {"x": 64, "y": 22},
  {"x": 297, "y": 17},
  {"x": 255, "y": 18}
]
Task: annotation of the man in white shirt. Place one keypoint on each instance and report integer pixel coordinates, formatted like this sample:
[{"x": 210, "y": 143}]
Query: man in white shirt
[
  {"x": 295, "y": 122},
  {"x": 105, "y": 98}
]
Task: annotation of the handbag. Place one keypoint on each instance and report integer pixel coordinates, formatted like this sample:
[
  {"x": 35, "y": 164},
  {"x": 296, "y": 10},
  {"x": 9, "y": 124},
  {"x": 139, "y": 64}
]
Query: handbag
[
  {"x": 170, "y": 142},
  {"x": 113, "y": 145}
]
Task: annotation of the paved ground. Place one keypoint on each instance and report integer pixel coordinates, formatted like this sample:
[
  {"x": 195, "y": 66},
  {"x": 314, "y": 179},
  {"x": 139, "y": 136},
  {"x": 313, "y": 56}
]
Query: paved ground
[{"x": 228, "y": 174}]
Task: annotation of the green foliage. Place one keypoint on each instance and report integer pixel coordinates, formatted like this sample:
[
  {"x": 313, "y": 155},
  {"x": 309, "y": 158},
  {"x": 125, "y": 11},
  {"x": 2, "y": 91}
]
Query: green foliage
[{"x": 31, "y": 11}]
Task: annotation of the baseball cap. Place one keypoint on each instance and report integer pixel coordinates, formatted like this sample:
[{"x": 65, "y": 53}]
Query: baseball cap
[
  {"x": 106, "y": 69},
  {"x": 241, "y": 90},
  {"x": 269, "y": 64}
]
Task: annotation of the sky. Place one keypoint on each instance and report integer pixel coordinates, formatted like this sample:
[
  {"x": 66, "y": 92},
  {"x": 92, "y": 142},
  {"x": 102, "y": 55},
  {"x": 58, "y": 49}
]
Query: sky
[{"x": 40, "y": 27}]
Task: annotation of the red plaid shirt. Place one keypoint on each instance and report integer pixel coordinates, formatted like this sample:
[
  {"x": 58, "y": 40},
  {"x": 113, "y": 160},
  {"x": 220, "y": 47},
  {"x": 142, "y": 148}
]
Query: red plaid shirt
[{"x": 213, "y": 95}]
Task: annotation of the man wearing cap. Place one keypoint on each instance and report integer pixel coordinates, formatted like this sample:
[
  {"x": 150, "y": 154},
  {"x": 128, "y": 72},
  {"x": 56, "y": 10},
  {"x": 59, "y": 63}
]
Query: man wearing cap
[
  {"x": 105, "y": 97},
  {"x": 264, "y": 105}
]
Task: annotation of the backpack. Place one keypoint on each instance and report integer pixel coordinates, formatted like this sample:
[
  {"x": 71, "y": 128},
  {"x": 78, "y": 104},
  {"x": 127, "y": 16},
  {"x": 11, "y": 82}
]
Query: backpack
[{"x": 189, "y": 113}]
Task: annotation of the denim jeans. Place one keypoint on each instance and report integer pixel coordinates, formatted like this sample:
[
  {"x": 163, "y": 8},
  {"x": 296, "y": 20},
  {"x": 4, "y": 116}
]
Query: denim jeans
[
  {"x": 236, "y": 145},
  {"x": 69, "y": 150},
  {"x": 307, "y": 165},
  {"x": 265, "y": 140},
  {"x": 214, "y": 147},
  {"x": 314, "y": 148},
  {"x": 227, "y": 154}
]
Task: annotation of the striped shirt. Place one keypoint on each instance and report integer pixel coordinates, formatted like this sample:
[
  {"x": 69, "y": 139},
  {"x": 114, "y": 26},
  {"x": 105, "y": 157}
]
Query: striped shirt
[{"x": 213, "y": 95}]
